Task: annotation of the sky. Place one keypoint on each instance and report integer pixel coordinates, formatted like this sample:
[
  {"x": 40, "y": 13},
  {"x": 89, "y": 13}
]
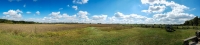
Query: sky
[{"x": 101, "y": 11}]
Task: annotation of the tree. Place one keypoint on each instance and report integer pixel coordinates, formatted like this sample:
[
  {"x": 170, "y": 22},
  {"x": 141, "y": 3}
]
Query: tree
[
  {"x": 8, "y": 21},
  {"x": 195, "y": 21},
  {"x": 187, "y": 22},
  {"x": 191, "y": 22}
]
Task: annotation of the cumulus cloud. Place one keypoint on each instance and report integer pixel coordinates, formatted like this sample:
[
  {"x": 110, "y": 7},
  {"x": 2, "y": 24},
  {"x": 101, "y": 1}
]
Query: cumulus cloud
[
  {"x": 83, "y": 14},
  {"x": 126, "y": 18},
  {"x": 49, "y": 19},
  {"x": 99, "y": 17},
  {"x": 65, "y": 15},
  {"x": 13, "y": 14},
  {"x": 75, "y": 7},
  {"x": 161, "y": 18},
  {"x": 72, "y": 18},
  {"x": 37, "y": 12},
  {"x": 155, "y": 9},
  {"x": 177, "y": 7},
  {"x": 28, "y": 12},
  {"x": 118, "y": 14},
  {"x": 53, "y": 16},
  {"x": 56, "y": 15},
  {"x": 151, "y": 2},
  {"x": 80, "y": 1},
  {"x": 176, "y": 15},
  {"x": 173, "y": 17},
  {"x": 130, "y": 16}
]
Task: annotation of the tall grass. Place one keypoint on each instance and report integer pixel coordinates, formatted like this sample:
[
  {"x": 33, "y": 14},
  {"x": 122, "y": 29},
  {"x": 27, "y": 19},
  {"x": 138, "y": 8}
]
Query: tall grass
[{"x": 95, "y": 35}]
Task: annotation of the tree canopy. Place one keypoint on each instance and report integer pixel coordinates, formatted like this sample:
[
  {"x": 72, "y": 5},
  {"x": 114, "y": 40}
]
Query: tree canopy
[
  {"x": 193, "y": 22},
  {"x": 15, "y": 22}
]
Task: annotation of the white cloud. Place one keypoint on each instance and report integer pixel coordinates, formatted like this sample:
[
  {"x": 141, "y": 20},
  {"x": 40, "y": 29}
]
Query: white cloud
[
  {"x": 155, "y": 9},
  {"x": 83, "y": 14},
  {"x": 99, "y": 17},
  {"x": 13, "y": 14},
  {"x": 80, "y": 1},
  {"x": 173, "y": 17},
  {"x": 130, "y": 16},
  {"x": 118, "y": 14},
  {"x": 176, "y": 15},
  {"x": 75, "y": 7},
  {"x": 165, "y": 18},
  {"x": 28, "y": 12},
  {"x": 111, "y": 19},
  {"x": 56, "y": 15},
  {"x": 151, "y": 2},
  {"x": 72, "y": 18},
  {"x": 37, "y": 12},
  {"x": 136, "y": 16},
  {"x": 49, "y": 19},
  {"x": 67, "y": 16}
]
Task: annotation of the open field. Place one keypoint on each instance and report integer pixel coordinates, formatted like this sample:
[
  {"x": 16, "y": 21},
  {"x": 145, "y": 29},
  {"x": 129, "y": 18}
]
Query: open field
[{"x": 89, "y": 34}]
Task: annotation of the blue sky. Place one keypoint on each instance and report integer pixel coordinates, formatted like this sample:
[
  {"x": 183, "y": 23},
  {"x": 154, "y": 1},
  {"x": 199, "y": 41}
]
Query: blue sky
[{"x": 100, "y": 11}]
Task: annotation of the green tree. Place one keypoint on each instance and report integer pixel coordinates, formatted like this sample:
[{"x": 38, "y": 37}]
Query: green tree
[
  {"x": 195, "y": 20},
  {"x": 8, "y": 21},
  {"x": 187, "y": 22},
  {"x": 191, "y": 22}
]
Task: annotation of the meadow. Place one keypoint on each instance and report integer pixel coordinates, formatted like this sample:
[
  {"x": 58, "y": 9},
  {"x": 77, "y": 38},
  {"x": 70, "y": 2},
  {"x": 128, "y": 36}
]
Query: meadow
[{"x": 89, "y": 34}]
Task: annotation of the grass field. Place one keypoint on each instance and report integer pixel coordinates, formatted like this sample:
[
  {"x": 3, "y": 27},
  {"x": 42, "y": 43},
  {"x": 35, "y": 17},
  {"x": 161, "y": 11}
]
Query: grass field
[{"x": 89, "y": 34}]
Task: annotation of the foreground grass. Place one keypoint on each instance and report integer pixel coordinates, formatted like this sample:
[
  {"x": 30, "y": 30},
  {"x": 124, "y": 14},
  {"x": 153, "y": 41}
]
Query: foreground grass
[{"x": 97, "y": 36}]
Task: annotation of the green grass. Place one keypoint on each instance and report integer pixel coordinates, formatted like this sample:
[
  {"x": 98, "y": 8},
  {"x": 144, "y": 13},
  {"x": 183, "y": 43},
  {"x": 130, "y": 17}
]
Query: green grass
[{"x": 97, "y": 36}]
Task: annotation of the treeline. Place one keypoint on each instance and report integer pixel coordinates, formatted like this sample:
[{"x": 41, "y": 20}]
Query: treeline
[
  {"x": 16, "y": 22},
  {"x": 193, "y": 22}
]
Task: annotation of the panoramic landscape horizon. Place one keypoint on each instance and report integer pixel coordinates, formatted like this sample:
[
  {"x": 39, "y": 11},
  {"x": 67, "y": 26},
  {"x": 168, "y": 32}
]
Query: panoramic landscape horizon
[{"x": 99, "y": 22}]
